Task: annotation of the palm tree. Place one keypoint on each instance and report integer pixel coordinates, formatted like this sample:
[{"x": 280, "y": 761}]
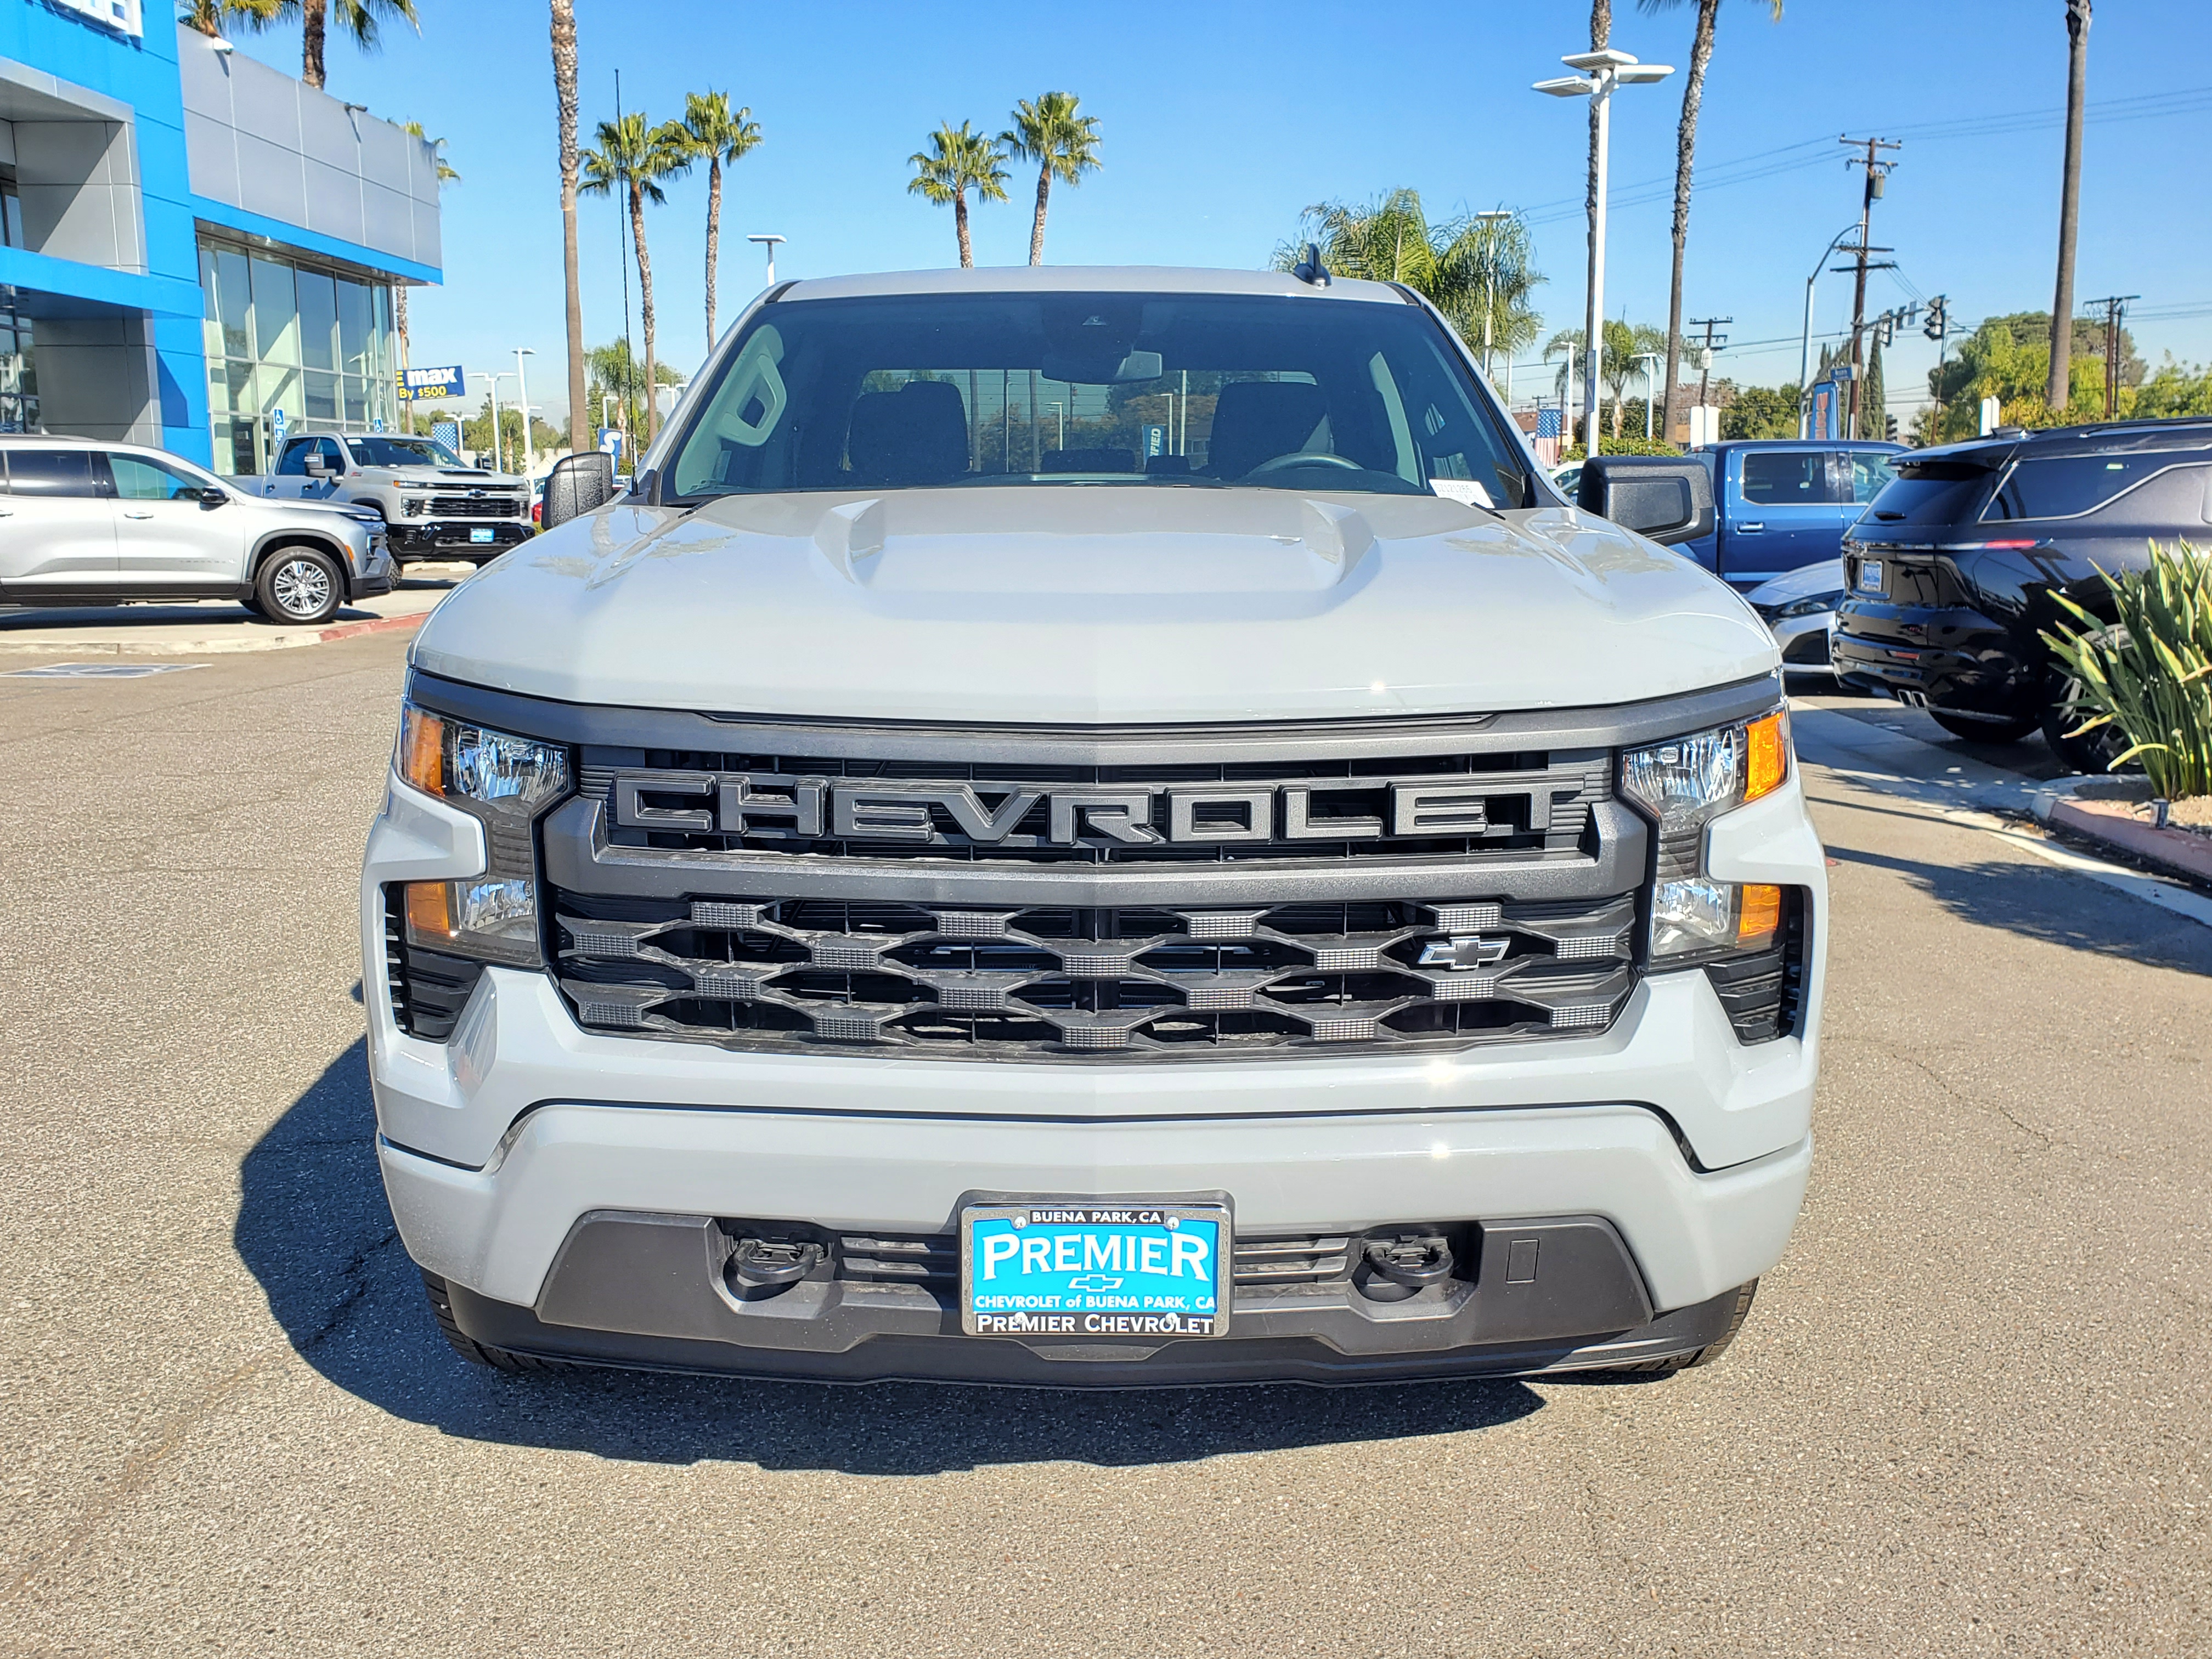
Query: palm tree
[
  {"x": 1062, "y": 143},
  {"x": 446, "y": 175},
  {"x": 954, "y": 164},
  {"x": 208, "y": 16},
  {"x": 1686, "y": 144},
  {"x": 357, "y": 19},
  {"x": 720, "y": 135},
  {"x": 634, "y": 156},
  {"x": 564, "y": 99},
  {"x": 1464, "y": 267},
  {"x": 2059, "y": 390},
  {"x": 1623, "y": 343}
]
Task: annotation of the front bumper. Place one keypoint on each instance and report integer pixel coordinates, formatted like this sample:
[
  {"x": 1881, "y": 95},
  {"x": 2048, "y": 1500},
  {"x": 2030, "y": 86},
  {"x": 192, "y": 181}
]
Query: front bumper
[
  {"x": 446, "y": 535},
  {"x": 1803, "y": 640},
  {"x": 1692, "y": 1148},
  {"x": 376, "y": 572}
]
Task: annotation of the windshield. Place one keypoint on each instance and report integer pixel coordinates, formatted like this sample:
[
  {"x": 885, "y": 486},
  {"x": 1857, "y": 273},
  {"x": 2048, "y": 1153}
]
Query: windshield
[
  {"x": 1150, "y": 390},
  {"x": 403, "y": 452}
]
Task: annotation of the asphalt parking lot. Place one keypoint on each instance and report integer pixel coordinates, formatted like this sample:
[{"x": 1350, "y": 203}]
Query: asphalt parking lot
[{"x": 1969, "y": 1413}]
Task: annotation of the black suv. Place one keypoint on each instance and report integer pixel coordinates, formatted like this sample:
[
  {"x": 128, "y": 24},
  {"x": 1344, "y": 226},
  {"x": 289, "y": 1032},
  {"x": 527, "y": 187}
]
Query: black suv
[{"x": 1948, "y": 577}]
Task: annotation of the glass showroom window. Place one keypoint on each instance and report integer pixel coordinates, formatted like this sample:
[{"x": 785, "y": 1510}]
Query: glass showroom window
[
  {"x": 19, "y": 381},
  {"x": 310, "y": 340}
]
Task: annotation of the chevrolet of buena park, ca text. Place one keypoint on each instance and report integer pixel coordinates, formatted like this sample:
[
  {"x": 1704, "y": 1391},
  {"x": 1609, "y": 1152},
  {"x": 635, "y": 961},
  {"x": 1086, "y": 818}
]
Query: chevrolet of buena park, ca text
[{"x": 1096, "y": 828}]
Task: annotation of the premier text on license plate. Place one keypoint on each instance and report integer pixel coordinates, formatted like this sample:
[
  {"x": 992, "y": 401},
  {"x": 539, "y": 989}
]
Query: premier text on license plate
[{"x": 1125, "y": 1270}]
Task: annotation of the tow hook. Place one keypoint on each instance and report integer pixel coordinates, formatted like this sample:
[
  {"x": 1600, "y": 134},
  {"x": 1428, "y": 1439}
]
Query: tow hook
[
  {"x": 1400, "y": 1268},
  {"x": 765, "y": 1265}
]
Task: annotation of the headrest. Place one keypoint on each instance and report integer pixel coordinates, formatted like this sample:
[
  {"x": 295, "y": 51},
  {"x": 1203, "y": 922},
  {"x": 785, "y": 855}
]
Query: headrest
[
  {"x": 917, "y": 435},
  {"x": 1255, "y": 421}
]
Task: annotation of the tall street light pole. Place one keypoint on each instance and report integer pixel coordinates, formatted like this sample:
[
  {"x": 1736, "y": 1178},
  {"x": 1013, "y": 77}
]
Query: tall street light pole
[
  {"x": 1490, "y": 283},
  {"x": 522, "y": 396},
  {"x": 1805, "y": 345},
  {"x": 1600, "y": 72},
  {"x": 768, "y": 244}
]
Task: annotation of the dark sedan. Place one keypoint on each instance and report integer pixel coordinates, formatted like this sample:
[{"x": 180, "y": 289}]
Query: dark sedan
[{"x": 1951, "y": 574}]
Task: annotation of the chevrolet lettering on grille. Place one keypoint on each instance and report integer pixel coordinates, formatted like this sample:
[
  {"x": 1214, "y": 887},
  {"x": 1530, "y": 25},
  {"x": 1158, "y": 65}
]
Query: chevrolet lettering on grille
[{"x": 1013, "y": 815}]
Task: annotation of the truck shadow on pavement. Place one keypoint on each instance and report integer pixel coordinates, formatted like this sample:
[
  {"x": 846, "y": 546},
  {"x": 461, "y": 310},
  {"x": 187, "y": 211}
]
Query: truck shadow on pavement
[
  {"x": 2044, "y": 902},
  {"x": 313, "y": 1229}
]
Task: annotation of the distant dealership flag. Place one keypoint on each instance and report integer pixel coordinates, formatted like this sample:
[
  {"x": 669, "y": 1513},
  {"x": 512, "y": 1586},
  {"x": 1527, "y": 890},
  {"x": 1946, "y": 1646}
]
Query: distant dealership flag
[
  {"x": 447, "y": 433},
  {"x": 1547, "y": 423},
  {"x": 416, "y": 383}
]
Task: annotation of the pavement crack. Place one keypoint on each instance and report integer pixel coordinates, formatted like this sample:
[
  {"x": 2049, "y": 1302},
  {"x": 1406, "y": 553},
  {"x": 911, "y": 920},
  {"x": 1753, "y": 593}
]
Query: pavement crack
[
  {"x": 353, "y": 1274},
  {"x": 1952, "y": 1091}
]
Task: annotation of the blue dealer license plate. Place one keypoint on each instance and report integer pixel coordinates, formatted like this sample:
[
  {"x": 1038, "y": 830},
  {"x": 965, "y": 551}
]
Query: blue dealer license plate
[
  {"x": 1130, "y": 1271},
  {"x": 480, "y": 535}
]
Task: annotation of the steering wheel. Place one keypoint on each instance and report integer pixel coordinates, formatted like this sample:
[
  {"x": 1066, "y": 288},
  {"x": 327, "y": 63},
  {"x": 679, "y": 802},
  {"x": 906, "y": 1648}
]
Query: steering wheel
[{"x": 1305, "y": 458}]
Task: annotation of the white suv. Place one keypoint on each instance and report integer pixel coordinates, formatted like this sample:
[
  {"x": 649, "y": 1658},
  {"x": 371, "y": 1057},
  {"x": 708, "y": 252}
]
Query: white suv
[
  {"x": 84, "y": 522},
  {"x": 1094, "y": 827}
]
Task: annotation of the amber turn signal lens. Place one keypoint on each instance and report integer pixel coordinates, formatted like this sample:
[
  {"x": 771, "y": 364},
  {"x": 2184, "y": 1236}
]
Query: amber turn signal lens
[
  {"x": 429, "y": 909},
  {"x": 423, "y": 749},
  {"x": 1758, "y": 916},
  {"x": 1766, "y": 755}
]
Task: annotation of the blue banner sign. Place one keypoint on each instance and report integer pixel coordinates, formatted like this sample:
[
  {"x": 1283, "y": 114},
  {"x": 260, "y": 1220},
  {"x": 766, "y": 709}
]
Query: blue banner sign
[
  {"x": 416, "y": 383},
  {"x": 1155, "y": 441}
]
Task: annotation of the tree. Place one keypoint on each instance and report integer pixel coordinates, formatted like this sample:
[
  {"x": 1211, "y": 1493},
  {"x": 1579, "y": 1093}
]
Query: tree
[
  {"x": 954, "y": 164},
  {"x": 718, "y": 134},
  {"x": 1063, "y": 144},
  {"x": 2009, "y": 358},
  {"x": 1686, "y": 144},
  {"x": 1464, "y": 267},
  {"x": 1758, "y": 411},
  {"x": 208, "y": 16},
  {"x": 633, "y": 156},
  {"x": 358, "y": 20},
  {"x": 564, "y": 103},
  {"x": 1623, "y": 343},
  {"x": 446, "y": 175},
  {"x": 616, "y": 374},
  {"x": 2057, "y": 390}
]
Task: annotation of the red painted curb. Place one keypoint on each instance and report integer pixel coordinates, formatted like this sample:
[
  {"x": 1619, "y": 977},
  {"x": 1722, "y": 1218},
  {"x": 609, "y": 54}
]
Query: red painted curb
[
  {"x": 2178, "y": 850},
  {"x": 374, "y": 625}
]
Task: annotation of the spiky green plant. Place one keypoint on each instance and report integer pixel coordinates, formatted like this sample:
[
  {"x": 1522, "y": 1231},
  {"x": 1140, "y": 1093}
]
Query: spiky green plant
[{"x": 2149, "y": 673}]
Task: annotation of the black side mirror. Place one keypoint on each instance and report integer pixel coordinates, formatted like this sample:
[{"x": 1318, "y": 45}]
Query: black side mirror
[
  {"x": 1668, "y": 498},
  {"x": 577, "y": 484},
  {"x": 212, "y": 498}
]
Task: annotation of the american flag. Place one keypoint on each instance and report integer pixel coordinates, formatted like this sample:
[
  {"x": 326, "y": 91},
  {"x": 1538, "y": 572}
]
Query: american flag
[{"x": 1547, "y": 423}]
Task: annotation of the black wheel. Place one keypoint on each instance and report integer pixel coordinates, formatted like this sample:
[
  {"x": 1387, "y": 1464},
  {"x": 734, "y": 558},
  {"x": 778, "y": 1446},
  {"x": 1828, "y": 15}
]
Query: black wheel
[
  {"x": 299, "y": 585},
  {"x": 252, "y": 603},
  {"x": 1705, "y": 1356},
  {"x": 2092, "y": 753},
  {"x": 1975, "y": 730},
  {"x": 476, "y": 1352}
]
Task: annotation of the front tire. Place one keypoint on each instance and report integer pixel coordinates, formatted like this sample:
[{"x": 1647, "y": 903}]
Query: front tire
[
  {"x": 2089, "y": 755},
  {"x": 300, "y": 585},
  {"x": 1705, "y": 1356},
  {"x": 1975, "y": 730},
  {"x": 476, "y": 1352}
]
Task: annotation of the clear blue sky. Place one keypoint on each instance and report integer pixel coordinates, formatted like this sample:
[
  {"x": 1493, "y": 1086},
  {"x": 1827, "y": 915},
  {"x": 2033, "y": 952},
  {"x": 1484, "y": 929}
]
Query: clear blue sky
[{"x": 1221, "y": 122}]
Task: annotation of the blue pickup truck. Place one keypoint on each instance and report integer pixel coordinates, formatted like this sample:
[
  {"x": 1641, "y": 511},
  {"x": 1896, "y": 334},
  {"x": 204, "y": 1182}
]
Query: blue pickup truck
[{"x": 1781, "y": 504}]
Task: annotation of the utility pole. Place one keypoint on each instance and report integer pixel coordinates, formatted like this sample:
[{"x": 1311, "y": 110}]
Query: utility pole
[
  {"x": 1713, "y": 342},
  {"x": 2116, "y": 305},
  {"x": 2060, "y": 390},
  {"x": 1877, "y": 170}
]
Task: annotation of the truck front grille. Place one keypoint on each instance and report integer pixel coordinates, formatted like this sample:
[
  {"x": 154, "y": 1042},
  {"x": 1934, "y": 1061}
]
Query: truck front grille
[
  {"x": 475, "y": 506},
  {"x": 752, "y": 971}
]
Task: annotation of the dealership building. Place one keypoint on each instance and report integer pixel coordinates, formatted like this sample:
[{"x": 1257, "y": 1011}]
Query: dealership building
[{"x": 199, "y": 250}]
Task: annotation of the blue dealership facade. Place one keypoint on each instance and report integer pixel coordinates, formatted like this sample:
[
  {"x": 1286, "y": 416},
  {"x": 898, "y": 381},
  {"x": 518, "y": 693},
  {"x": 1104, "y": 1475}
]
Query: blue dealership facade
[{"x": 197, "y": 250}]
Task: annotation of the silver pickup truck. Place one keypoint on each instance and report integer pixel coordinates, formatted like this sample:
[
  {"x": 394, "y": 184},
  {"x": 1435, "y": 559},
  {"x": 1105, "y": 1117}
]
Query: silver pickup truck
[{"x": 434, "y": 505}]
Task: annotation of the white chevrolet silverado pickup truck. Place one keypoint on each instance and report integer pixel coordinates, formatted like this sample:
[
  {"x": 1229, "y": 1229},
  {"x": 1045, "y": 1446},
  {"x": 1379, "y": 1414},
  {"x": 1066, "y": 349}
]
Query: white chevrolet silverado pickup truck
[
  {"x": 1096, "y": 827},
  {"x": 436, "y": 506}
]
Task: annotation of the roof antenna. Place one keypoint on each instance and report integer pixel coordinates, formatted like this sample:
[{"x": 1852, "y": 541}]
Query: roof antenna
[{"x": 1310, "y": 269}]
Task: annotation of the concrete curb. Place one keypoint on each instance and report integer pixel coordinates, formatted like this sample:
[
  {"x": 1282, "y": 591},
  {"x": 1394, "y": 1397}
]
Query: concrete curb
[
  {"x": 238, "y": 638},
  {"x": 2180, "y": 853}
]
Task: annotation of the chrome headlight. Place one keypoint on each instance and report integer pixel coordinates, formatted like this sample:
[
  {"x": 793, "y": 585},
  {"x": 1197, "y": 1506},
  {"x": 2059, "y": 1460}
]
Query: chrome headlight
[
  {"x": 506, "y": 782},
  {"x": 1684, "y": 784},
  {"x": 1811, "y": 605}
]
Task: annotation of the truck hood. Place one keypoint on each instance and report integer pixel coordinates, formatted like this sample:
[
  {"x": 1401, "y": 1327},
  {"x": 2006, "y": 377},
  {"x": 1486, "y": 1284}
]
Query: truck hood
[
  {"x": 1109, "y": 604},
  {"x": 451, "y": 478}
]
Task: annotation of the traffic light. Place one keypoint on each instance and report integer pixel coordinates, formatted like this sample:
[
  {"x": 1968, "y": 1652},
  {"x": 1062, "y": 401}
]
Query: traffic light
[
  {"x": 1936, "y": 319},
  {"x": 1889, "y": 428}
]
